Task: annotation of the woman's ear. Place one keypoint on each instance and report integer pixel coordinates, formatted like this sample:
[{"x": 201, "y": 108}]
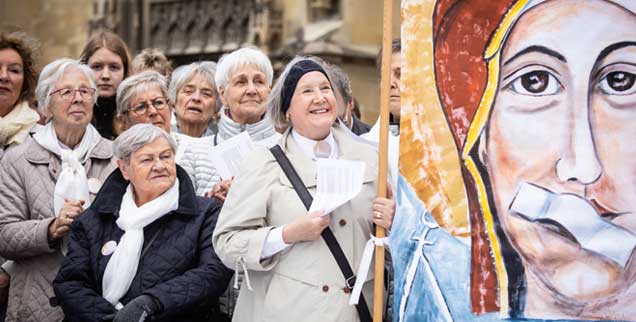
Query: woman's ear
[
  {"x": 222, "y": 97},
  {"x": 124, "y": 169}
]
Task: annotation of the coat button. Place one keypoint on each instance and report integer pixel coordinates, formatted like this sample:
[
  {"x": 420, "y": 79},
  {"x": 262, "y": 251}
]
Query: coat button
[
  {"x": 342, "y": 222},
  {"x": 346, "y": 290},
  {"x": 325, "y": 288}
]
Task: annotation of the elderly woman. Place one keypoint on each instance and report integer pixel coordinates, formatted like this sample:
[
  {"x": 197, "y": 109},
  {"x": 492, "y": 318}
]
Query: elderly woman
[
  {"x": 194, "y": 96},
  {"x": 243, "y": 79},
  {"x": 292, "y": 273},
  {"x": 46, "y": 182},
  {"x": 143, "y": 251},
  {"x": 17, "y": 82},
  {"x": 109, "y": 58}
]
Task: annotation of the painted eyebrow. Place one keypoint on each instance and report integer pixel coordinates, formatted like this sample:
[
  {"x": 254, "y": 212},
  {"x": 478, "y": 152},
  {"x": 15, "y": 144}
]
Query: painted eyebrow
[
  {"x": 611, "y": 48},
  {"x": 539, "y": 49}
]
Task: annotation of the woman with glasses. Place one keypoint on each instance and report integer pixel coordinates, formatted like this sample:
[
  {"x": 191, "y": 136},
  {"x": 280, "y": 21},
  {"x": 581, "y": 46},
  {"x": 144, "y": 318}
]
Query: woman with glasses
[
  {"x": 143, "y": 98},
  {"x": 46, "y": 183}
]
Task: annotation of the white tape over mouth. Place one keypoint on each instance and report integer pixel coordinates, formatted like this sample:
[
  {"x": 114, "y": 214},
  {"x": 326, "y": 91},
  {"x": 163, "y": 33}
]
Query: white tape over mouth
[{"x": 578, "y": 216}]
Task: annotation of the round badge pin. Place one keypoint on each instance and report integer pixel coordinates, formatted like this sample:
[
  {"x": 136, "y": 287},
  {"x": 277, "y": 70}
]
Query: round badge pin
[
  {"x": 94, "y": 185},
  {"x": 109, "y": 248}
]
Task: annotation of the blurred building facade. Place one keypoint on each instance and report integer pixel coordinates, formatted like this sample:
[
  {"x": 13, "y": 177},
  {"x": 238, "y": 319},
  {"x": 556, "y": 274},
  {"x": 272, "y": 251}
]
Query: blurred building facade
[{"x": 344, "y": 32}]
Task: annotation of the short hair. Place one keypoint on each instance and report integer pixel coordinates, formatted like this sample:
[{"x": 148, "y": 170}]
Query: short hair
[
  {"x": 396, "y": 47},
  {"x": 183, "y": 74},
  {"x": 26, "y": 48},
  {"x": 275, "y": 99},
  {"x": 341, "y": 82},
  {"x": 230, "y": 63},
  {"x": 110, "y": 41},
  {"x": 136, "y": 137},
  {"x": 152, "y": 59},
  {"x": 52, "y": 73},
  {"x": 136, "y": 84}
]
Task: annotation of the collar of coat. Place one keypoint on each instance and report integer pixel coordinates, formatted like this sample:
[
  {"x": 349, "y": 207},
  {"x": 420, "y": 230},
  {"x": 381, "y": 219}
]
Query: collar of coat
[
  {"x": 39, "y": 155},
  {"x": 350, "y": 147},
  {"x": 109, "y": 197}
]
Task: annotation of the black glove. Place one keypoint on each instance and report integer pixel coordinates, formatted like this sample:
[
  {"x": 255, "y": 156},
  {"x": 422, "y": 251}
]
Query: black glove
[{"x": 137, "y": 310}]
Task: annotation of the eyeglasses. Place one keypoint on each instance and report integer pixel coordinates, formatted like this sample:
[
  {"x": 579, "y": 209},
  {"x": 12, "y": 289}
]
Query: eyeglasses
[
  {"x": 67, "y": 94},
  {"x": 142, "y": 108}
]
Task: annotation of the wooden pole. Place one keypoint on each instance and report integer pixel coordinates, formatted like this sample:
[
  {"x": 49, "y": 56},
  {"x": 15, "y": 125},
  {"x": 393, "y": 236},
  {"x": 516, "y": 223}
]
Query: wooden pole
[{"x": 385, "y": 87}]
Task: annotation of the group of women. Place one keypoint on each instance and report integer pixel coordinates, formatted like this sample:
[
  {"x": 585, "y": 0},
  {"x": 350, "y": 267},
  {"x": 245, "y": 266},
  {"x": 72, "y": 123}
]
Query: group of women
[{"x": 144, "y": 228}]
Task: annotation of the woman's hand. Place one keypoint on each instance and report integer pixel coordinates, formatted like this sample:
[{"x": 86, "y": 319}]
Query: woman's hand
[
  {"x": 306, "y": 228},
  {"x": 383, "y": 210},
  {"x": 62, "y": 224},
  {"x": 220, "y": 190}
]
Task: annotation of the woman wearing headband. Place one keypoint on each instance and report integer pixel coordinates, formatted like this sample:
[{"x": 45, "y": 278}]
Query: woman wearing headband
[{"x": 265, "y": 229}]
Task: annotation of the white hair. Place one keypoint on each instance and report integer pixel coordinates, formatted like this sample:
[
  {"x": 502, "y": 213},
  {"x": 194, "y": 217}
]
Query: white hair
[
  {"x": 183, "y": 74},
  {"x": 136, "y": 137},
  {"x": 232, "y": 62},
  {"x": 52, "y": 73},
  {"x": 136, "y": 84}
]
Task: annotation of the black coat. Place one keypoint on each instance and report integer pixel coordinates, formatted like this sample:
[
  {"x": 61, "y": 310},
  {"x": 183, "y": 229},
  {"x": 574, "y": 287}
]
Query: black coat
[
  {"x": 178, "y": 267},
  {"x": 358, "y": 127}
]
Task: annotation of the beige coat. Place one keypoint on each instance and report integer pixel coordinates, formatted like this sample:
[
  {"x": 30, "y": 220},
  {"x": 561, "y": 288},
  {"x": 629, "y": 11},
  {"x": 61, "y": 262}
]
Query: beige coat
[
  {"x": 27, "y": 179},
  {"x": 302, "y": 283}
]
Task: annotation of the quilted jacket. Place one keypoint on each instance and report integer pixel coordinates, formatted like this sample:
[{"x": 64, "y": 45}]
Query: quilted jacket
[
  {"x": 178, "y": 267},
  {"x": 27, "y": 179}
]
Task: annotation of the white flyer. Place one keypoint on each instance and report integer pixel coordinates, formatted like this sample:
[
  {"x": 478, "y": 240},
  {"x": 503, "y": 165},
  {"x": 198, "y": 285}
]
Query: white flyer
[
  {"x": 338, "y": 181},
  {"x": 228, "y": 155}
]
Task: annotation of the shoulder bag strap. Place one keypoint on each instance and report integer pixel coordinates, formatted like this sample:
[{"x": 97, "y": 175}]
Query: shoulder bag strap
[{"x": 327, "y": 234}]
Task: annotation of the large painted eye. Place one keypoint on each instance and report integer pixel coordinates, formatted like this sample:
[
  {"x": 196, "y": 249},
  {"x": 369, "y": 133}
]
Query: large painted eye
[
  {"x": 536, "y": 83},
  {"x": 618, "y": 83}
]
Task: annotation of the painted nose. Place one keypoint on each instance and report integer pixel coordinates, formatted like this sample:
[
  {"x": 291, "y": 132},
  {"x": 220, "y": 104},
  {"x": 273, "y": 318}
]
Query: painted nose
[{"x": 579, "y": 163}]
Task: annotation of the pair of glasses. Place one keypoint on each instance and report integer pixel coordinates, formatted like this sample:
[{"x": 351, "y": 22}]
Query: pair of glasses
[
  {"x": 67, "y": 94},
  {"x": 141, "y": 108}
]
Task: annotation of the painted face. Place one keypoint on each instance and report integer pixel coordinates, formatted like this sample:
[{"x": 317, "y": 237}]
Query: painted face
[
  {"x": 196, "y": 101},
  {"x": 109, "y": 71},
  {"x": 11, "y": 79},
  {"x": 563, "y": 120},
  {"x": 149, "y": 106},
  {"x": 312, "y": 109},
  {"x": 74, "y": 110},
  {"x": 245, "y": 94},
  {"x": 396, "y": 85},
  {"x": 151, "y": 170}
]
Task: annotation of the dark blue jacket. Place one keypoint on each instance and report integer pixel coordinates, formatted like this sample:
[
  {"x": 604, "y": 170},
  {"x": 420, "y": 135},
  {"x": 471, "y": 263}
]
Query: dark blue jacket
[{"x": 178, "y": 266}]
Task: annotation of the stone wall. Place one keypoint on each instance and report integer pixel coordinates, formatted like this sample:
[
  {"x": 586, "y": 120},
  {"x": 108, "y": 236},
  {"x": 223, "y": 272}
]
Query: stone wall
[{"x": 61, "y": 26}]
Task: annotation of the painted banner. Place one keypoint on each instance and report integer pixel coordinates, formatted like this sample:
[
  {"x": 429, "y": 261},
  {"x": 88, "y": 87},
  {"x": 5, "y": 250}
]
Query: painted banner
[{"x": 517, "y": 199}]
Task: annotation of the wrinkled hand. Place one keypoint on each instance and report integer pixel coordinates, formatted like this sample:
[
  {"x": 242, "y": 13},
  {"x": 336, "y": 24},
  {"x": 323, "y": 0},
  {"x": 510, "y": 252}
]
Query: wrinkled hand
[
  {"x": 383, "y": 210},
  {"x": 5, "y": 280},
  {"x": 137, "y": 310},
  {"x": 220, "y": 190},
  {"x": 62, "y": 223},
  {"x": 306, "y": 228}
]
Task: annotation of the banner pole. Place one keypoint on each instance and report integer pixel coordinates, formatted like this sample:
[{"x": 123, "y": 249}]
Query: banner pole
[{"x": 385, "y": 86}]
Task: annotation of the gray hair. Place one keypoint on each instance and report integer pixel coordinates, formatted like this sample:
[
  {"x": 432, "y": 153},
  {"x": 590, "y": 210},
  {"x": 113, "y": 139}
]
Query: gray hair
[
  {"x": 230, "y": 63},
  {"x": 341, "y": 80},
  {"x": 136, "y": 84},
  {"x": 183, "y": 74},
  {"x": 52, "y": 73},
  {"x": 136, "y": 137},
  {"x": 275, "y": 99}
]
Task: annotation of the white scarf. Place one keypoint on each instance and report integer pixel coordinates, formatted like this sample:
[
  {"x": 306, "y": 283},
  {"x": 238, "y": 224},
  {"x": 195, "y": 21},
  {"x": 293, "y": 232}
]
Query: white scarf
[
  {"x": 123, "y": 264},
  {"x": 15, "y": 126},
  {"x": 72, "y": 183}
]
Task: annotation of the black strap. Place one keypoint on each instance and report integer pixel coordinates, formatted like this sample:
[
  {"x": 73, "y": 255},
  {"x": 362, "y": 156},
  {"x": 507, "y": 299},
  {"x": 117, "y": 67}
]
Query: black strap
[{"x": 327, "y": 234}]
